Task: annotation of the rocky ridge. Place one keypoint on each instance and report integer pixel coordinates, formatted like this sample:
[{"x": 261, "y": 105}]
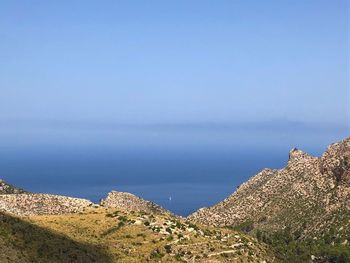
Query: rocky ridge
[
  {"x": 18, "y": 202},
  {"x": 28, "y": 204},
  {"x": 310, "y": 195}
]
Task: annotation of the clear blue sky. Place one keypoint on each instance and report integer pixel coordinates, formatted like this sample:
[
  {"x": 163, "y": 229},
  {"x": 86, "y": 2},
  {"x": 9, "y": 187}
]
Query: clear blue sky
[{"x": 174, "y": 61}]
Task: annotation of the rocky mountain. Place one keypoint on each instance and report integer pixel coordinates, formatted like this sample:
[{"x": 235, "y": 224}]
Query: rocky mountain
[
  {"x": 310, "y": 196},
  {"x": 6, "y": 188},
  {"x": 130, "y": 202}
]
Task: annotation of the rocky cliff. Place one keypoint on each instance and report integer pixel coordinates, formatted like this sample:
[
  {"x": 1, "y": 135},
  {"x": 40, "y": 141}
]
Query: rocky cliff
[
  {"x": 130, "y": 202},
  {"x": 310, "y": 195}
]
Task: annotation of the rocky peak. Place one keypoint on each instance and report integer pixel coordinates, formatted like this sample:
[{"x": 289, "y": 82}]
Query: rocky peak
[
  {"x": 130, "y": 202},
  {"x": 6, "y": 188},
  {"x": 335, "y": 162},
  {"x": 297, "y": 155}
]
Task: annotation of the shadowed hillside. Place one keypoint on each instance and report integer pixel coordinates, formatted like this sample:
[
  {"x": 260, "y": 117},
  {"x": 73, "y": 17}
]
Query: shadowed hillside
[{"x": 21, "y": 241}]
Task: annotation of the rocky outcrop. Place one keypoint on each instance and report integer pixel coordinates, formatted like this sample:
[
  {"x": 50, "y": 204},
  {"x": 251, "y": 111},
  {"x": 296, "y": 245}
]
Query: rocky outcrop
[
  {"x": 41, "y": 204},
  {"x": 6, "y": 188},
  {"x": 310, "y": 195},
  {"x": 335, "y": 162},
  {"x": 130, "y": 202}
]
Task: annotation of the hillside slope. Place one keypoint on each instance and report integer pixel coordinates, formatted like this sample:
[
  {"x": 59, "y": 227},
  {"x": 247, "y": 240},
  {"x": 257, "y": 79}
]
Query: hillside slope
[
  {"x": 310, "y": 196},
  {"x": 124, "y": 228},
  {"x": 107, "y": 235},
  {"x": 21, "y": 241}
]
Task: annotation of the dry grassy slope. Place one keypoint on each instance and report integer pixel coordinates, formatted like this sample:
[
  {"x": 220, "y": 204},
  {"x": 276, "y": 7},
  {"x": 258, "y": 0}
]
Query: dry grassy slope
[
  {"x": 127, "y": 229},
  {"x": 23, "y": 242},
  {"x": 143, "y": 237},
  {"x": 310, "y": 195}
]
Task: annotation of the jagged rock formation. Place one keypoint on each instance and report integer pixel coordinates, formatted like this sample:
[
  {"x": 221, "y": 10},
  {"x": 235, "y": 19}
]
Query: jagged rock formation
[
  {"x": 130, "y": 202},
  {"x": 310, "y": 195},
  {"x": 6, "y": 188},
  {"x": 28, "y": 204}
]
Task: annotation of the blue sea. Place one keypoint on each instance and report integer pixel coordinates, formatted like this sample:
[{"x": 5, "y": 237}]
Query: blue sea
[{"x": 181, "y": 171}]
